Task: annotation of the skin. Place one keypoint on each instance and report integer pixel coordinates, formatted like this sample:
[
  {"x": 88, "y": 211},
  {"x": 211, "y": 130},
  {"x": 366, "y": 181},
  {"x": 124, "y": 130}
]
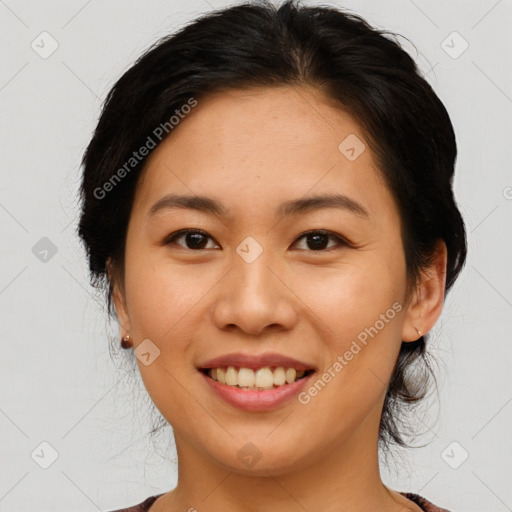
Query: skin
[{"x": 252, "y": 150}]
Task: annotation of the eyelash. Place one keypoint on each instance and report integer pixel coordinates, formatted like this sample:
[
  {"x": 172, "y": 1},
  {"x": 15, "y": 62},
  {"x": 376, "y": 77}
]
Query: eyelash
[{"x": 341, "y": 242}]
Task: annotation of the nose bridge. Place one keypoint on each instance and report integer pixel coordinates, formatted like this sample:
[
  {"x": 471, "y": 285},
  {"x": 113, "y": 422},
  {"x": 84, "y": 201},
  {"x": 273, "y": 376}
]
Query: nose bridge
[
  {"x": 256, "y": 297},
  {"x": 255, "y": 276},
  {"x": 254, "y": 280}
]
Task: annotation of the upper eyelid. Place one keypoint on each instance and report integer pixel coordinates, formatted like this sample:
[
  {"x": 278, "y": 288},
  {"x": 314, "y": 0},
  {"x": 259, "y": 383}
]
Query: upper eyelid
[
  {"x": 182, "y": 232},
  {"x": 340, "y": 239}
]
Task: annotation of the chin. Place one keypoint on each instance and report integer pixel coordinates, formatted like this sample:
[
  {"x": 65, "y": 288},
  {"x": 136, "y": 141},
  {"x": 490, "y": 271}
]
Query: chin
[{"x": 262, "y": 458}]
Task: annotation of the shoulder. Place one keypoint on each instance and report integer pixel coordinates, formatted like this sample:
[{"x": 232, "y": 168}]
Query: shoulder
[
  {"x": 425, "y": 505},
  {"x": 141, "y": 507}
]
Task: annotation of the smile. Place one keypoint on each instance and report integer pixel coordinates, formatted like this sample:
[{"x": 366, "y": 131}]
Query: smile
[
  {"x": 256, "y": 397},
  {"x": 259, "y": 379}
]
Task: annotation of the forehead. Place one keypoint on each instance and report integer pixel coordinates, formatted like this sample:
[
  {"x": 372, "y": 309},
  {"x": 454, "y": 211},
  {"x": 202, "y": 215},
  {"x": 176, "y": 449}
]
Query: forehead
[
  {"x": 262, "y": 146},
  {"x": 284, "y": 122}
]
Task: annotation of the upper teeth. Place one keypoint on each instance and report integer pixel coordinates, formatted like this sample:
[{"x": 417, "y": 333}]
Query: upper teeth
[{"x": 263, "y": 378}]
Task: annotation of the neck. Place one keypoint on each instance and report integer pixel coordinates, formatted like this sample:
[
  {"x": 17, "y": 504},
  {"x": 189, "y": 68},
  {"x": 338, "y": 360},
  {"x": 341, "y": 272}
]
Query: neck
[{"x": 345, "y": 477}]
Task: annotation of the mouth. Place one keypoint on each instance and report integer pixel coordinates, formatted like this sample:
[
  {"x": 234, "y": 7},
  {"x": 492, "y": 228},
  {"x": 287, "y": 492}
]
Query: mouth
[
  {"x": 256, "y": 382},
  {"x": 256, "y": 390},
  {"x": 256, "y": 379}
]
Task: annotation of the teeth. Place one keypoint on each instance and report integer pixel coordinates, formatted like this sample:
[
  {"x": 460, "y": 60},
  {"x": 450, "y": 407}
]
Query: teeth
[
  {"x": 231, "y": 376},
  {"x": 246, "y": 378},
  {"x": 279, "y": 376},
  {"x": 290, "y": 375},
  {"x": 261, "y": 379},
  {"x": 264, "y": 378}
]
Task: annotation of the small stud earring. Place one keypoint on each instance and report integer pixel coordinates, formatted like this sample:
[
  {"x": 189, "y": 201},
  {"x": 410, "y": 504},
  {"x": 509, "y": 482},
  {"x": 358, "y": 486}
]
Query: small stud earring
[
  {"x": 125, "y": 342},
  {"x": 419, "y": 332}
]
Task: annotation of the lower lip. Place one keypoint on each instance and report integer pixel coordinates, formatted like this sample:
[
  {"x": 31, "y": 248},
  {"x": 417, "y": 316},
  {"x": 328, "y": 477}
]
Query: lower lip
[{"x": 254, "y": 400}]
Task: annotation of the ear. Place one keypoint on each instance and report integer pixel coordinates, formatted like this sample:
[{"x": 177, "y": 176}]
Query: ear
[
  {"x": 119, "y": 299},
  {"x": 427, "y": 300}
]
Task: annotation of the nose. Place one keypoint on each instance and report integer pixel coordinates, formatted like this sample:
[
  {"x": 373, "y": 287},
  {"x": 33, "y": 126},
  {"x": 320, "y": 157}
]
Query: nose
[{"x": 255, "y": 297}]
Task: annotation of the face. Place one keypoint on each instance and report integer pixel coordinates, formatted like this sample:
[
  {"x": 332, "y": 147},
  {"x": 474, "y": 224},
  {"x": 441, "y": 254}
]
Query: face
[{"x": 323, "y": 283}]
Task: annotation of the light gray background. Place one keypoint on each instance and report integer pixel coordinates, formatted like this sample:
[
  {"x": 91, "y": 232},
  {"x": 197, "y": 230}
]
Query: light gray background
[{"x": 58, "y": 382}]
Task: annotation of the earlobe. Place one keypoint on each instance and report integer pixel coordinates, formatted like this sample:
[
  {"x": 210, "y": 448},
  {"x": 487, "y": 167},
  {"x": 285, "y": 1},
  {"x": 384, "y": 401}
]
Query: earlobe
[{"x": 428, "y": 299}]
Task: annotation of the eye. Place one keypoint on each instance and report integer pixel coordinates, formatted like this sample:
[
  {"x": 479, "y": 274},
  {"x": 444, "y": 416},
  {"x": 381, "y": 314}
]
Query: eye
[
  {"x": 195, "y": 238},
  {"x": 319, "y": 240}
]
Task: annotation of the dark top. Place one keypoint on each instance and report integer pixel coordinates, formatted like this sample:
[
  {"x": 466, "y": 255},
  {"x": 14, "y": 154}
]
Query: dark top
[{"x": 421, "y": 502}]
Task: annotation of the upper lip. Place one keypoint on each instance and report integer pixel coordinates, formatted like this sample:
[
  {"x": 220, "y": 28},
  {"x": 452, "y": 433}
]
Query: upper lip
[{"x": 256, "y": 361}]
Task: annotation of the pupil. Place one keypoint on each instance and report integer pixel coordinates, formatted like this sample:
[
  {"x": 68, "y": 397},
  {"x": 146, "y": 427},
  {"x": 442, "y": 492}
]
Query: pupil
[
  {"x": 320, "y": 241},
  {"x": 315, "y": 241},
  {"x": 195, "y": 239}
]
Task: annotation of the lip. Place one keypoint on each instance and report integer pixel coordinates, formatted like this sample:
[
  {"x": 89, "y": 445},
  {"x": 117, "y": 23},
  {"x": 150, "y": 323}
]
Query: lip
[
  {"x": 253, "y": 362},
  {"x": 254, "y": 400}
]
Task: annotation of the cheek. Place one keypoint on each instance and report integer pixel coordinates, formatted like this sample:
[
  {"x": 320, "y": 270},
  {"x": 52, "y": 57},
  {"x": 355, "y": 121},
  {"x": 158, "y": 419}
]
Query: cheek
[
  {"x": 164, "y": 301},
  {"x": 362, "y": 308},
  {"x": 351, "y": 296},
  {"x": 161, "y": 294}
]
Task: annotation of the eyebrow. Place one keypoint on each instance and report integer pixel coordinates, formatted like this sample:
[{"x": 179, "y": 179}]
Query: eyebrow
[{"x": 288, "y": 208}]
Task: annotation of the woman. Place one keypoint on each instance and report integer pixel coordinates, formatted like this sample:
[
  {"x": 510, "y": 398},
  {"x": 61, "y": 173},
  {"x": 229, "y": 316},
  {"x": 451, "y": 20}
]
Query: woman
[{"x": 268, "y": 200}]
